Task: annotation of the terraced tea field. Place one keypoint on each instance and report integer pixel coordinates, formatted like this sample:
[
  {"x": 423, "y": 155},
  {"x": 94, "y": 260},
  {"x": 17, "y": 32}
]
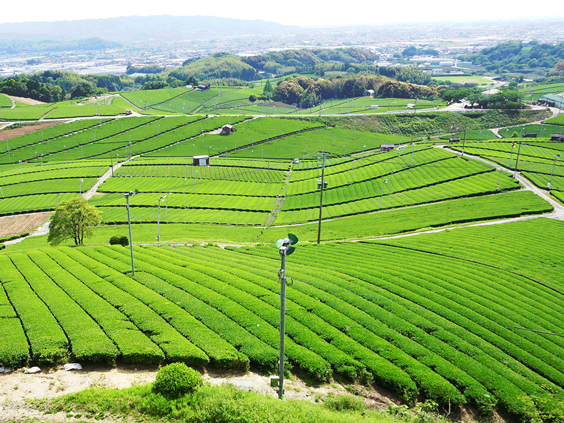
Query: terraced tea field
[
  {"x": 434, "y": 324},
  {"x": 540, "y": 161},
  {"x": 466, "y": 317}
]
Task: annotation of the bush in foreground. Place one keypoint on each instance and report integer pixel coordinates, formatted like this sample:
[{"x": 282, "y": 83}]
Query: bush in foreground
[{"x": 176, "y": 380}]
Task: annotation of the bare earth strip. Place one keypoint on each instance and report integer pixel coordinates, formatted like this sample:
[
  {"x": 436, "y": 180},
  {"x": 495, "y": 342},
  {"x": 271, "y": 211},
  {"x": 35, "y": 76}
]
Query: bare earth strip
[
  {"x": 20, "y": 223},
  {"x": 17, "y": 386},
  {"x": 16, "y": 132},
  {"x": 24, "y": 100}
]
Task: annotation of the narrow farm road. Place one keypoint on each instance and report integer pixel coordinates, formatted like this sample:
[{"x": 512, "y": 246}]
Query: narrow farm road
[{"x": 44, "y": 229}]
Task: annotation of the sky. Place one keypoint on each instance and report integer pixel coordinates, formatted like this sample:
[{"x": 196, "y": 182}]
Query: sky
[{"x": 288, "y": 12}]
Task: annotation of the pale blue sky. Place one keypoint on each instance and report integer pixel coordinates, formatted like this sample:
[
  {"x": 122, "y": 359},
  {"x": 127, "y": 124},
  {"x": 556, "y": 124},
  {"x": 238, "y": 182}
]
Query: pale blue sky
[{"x": 290, "y": 12}]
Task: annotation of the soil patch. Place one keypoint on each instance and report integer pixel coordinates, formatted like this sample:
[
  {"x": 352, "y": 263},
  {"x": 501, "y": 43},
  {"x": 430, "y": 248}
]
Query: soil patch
[
  {"x": 16, "y": 387},
  {"x": 20, "y": 223},
  {"x": 24, "y": 100},
  {"x": 28, "y": 129}
]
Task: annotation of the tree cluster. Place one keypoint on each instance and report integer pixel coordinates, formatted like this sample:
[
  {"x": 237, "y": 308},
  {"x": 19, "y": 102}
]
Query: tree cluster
[
  {"x": 516, "y": 56},
  {"x": 557, "y": 70},
  {"x": 23, "y": 87},
  {"x": 307, "y": 92},
  {"x": 507, "y": 98},
  {"x": 405, "y": 74},
  {"x": 144, "y": 69},
  {"x": 397, "y": 89}
]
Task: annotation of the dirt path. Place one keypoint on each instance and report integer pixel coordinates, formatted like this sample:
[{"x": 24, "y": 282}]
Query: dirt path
[{"x": 16, "y": 387}]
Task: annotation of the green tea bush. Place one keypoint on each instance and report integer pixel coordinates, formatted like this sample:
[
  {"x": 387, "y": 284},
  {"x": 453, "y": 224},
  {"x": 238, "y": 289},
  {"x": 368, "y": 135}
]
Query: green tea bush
[{"x": 176, "y": 380}]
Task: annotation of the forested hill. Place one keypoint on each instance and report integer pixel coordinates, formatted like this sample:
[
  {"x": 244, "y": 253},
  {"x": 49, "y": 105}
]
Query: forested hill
[{"x": 516, "y": 56}]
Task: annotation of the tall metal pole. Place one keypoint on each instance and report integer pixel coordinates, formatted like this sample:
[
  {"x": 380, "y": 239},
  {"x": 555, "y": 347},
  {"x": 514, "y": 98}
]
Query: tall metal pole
[
  {"x": 552, "y": 173},
  {"x": 464, "y": 142},
  {"x": 517, "y": 161},
  {"x": 511, "y": 155},
  {"x": 321, "y": 198},
  {"x": 282, "y": 275},
  {"x": 129, "y": 223},
  {"x": 382, "y": 193},
  {"x": 498, "y": 179}
]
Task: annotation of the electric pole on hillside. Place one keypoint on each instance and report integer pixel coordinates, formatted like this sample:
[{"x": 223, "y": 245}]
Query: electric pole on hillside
[
  {"x": 321, "y": 185},
  {"x": 464, "y": 142},
  {"x": 130, "y": 194},
  {"x": 285, "y": 249},
  {"x": 517, "y": 161}
]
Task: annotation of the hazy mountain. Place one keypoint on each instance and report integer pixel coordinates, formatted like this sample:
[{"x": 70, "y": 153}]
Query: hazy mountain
[{"x": 134, "y": 29}]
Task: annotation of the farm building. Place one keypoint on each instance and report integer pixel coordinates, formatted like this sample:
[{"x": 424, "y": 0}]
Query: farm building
[
  {"x": 201, "y": 160},
  {"x": 204, "y": 87},
  {"x": 368, "y": 93},
  {"x": 386, "y": 147},
  {"x": 453, "y": 139},
  {"x": 557, "y": 137},
  {"x": 227, "y": 130},
  {"x": 529, "y": 135},
  {"x": 553, "y": 100}
]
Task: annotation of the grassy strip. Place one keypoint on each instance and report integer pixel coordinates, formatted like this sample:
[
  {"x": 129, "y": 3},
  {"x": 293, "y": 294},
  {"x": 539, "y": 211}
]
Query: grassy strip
[{"x": 216, "y": 404}]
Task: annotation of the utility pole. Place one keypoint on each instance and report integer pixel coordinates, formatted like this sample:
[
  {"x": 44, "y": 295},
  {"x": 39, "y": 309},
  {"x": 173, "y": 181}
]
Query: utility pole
[
  {"x": 321, "y": 186},
  {"x": 159, "y": 216},
  {"x": 131, "y": 193},
  {"x": 285, "y": 249},
  {"x": 464, "y": 142},
  {"x": 517, "y": 161}
]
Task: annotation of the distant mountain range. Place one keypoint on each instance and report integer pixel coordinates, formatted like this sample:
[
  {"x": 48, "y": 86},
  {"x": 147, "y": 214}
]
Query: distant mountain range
[{"x": 134, "y": 29}]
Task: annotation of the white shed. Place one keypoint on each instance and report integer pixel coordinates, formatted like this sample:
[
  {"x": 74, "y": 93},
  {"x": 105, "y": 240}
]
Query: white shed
[{"x": 201, "y": 160}]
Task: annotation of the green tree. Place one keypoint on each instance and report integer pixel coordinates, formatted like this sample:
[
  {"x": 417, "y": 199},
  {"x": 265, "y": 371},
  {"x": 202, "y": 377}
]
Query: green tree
[
  {"x": 73, "y": 219},
  {"x": 267, "y": 91}
]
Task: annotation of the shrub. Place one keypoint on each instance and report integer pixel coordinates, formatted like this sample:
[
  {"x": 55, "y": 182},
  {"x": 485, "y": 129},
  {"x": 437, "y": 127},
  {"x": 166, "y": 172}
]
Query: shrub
[
  {"x": 119, "y": 240},
  {"x": 343, "y": 402},
  {"x": 115, "y": 240},
  {"x": 176, "y": 380}
]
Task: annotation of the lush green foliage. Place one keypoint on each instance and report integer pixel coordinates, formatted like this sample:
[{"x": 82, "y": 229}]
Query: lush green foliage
[
  {"x": 73, "y": 219},
  {"x": 176, "y": 379},
  {"x": 516, "y": 56}
]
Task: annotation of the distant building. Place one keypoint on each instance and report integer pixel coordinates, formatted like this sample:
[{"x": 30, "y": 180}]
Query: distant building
[
  {"x": 553, "y": 100},
  {"x": 368, "y": 93},
  {"x": 201, "y": 160},
  {"x": 204, "y": 87},
  {"x": 227, "y": 130},
  {"x": 557, "y": 137},
  {"x": 530, "y": 136},
  {"x": 453, "y": 139},
  {"x": 386, "y": 147}
]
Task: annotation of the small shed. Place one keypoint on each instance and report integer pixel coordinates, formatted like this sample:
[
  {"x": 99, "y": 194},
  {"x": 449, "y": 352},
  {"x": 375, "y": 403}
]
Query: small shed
[
  {"x": 368, "y": 93},
  {"x": 529, "y": 135},
  {"x": 453, "y": 139},
  {"x": 227, "y": 130},
  {"x": 386, "y": 147},
  {"x": 201, "y": 160},
  {"x": 557, "y": 137},
  {"x": 204, "y": 87}
]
